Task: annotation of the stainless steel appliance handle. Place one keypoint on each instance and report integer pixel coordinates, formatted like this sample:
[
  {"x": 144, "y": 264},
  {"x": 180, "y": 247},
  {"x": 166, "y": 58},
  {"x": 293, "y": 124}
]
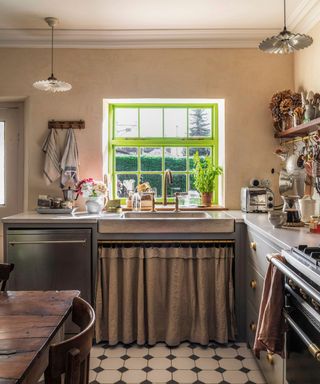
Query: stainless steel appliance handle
[
  {"x": 312, "y": 347},
  {"x": 83, "y": 242},
  {"x": 307, "y": 288}
]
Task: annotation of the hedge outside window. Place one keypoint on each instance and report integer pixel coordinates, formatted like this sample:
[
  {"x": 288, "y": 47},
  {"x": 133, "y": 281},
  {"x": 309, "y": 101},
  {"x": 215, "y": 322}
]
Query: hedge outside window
[{"x": 145, "y": 140}]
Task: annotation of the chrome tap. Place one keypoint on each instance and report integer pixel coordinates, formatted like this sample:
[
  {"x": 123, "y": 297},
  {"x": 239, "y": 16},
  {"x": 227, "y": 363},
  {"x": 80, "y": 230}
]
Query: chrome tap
[{"x": 167, "y": 178}]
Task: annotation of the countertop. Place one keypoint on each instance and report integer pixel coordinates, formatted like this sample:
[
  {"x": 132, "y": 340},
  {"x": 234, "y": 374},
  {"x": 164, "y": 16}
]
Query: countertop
[
  {"x": 284, "y": 237},
  {"x": 32, "y": 217}
]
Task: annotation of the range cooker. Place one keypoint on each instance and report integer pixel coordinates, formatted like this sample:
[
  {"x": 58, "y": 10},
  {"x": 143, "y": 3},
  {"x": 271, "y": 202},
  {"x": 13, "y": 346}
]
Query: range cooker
[{"x": 302, "y": 313}]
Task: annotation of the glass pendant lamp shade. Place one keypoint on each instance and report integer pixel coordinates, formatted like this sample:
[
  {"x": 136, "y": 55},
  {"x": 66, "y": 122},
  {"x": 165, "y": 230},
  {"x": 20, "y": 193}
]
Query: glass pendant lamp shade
[
  {"x": 52, "y": 84},
  {"x": 285, "y": 41}
]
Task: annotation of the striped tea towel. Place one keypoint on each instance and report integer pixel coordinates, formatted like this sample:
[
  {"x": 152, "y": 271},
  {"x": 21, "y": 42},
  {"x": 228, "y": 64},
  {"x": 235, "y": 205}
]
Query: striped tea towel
[
  {"x": 51, "y": 170},
  {"x": 70, "y": 160}
]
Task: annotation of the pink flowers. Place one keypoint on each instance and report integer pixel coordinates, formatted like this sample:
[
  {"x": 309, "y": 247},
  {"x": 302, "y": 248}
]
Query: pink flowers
[{"x": 91, "y": 188}]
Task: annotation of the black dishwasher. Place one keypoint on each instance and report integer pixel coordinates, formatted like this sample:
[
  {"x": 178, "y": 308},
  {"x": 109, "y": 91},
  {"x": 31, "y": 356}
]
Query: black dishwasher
[{"x": 50, "y": 259}]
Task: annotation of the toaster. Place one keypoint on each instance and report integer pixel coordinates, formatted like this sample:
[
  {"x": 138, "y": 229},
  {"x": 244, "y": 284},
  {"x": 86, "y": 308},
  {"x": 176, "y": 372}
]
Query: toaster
[{"x": 256, "y": 199}]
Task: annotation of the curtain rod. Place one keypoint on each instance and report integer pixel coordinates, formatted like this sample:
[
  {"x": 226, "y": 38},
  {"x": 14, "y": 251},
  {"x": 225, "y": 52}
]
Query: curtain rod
[{"x": 166, "y": 241}]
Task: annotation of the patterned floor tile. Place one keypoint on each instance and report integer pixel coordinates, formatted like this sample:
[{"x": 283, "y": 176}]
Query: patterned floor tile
[
  {"x": 184, "y": 376},
  {"x": 188, "y": 363},
  {"x": 235, "y": 377},
  {"x": 134, "y": 376},
  {"x": 159, "y": 376},
  {"x": 256, "y": 377},
  {"x": 110, "y": 376},
  {"x": 159, "y": 363},
  {"x": 210, "y": 377}
]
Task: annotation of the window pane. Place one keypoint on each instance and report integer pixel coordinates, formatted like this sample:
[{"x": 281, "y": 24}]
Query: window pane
[
  {"x": 151, "y": 159},
  {"x": 126, "y": 159},
  {"x": 155, "y": 181},
  {"x": 200, "y": 122},
  {"x": 126, "y": 122},
  {"x": 175, "y": 158},
  {"x": 191, "y": 183},
  {"x": 125, "y": 183},
  {"x": 175, "y": 122},
  {"x": 202, "y": 153},
  {"x": 1, "y": 162},
  {"x": 179, "y": 185},
  {"x": 151, "y": 122}
]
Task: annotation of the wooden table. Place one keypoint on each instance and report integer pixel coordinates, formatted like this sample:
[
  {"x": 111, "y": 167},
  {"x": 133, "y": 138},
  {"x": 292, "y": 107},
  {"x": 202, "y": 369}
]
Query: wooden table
[{"x": 29, "y": 320}]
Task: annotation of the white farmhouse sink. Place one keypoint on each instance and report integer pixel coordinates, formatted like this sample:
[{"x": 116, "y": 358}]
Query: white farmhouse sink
[
  {"x": 166, "y": 215},
  {"x": 167, "y": 222}
]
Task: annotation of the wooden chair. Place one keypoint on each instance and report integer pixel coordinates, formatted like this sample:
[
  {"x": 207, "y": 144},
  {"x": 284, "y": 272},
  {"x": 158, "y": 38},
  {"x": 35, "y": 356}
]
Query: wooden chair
[
  {"x": 71, "y": 357},
  {"x": 5, "y": 270}
]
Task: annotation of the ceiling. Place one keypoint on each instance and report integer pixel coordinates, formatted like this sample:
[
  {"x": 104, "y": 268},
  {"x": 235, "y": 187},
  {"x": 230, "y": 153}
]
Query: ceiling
[{"x": 148, "y": 23}]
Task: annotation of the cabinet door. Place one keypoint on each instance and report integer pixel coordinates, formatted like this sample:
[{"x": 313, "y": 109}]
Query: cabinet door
[{"x": 50, "y": 260}]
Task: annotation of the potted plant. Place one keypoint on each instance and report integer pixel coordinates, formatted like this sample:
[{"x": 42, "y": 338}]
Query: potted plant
[{"x": 204, "y": 174}]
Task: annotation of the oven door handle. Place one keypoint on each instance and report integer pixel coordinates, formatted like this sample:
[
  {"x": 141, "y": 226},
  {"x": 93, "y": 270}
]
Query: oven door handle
[
  {"x": 307, "y": 288},
  {"x": 312, "y": 347}
]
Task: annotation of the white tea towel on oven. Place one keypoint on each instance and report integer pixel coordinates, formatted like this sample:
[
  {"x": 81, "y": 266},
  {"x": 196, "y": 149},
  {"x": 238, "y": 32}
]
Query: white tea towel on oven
[
  {"x": 51, "y": 169},
  {"x": 69, "y": 162}
]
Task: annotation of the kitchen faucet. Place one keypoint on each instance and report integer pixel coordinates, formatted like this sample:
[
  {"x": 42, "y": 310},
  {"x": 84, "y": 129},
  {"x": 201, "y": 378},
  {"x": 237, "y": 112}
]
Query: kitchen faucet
[{"x": 167, "y": 178}]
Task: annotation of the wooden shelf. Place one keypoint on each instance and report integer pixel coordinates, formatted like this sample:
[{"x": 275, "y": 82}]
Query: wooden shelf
[{"x": 300, "y": 130}]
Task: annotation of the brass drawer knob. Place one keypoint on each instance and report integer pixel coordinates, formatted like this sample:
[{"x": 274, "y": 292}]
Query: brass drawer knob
[
  {"x": 315, "y": 304},
  {"x": 253, "y": 326},
  {"x": 303, "y": 294},
  {"x": 270, "y": 358},
  {"x": 253, "y": 245},
  {"x": 253, "y": 284},
  {"x": 292, "y": 284}
]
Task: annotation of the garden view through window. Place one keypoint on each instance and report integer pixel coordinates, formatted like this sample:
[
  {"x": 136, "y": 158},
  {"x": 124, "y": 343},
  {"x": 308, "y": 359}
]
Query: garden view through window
[{"x": 145, "y": 140}]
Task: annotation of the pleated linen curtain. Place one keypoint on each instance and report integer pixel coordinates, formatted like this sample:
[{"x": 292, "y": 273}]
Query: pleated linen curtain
[{"x": 165, "y": 293}]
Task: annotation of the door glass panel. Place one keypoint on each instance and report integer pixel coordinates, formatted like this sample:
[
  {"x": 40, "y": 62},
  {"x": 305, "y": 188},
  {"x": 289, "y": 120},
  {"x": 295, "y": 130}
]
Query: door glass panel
[
  {"x": 200, "y": 122},
  {"x": 151, "y": 122},
  {"x": 151, "y": 159},
  {"x": 1, "y": 163},
  {"x": 126, "y": 159},
  {"x": 126, "y": 183},
  {"x": 175, "y": 122},
  {"x": 175, "y": 158},
  {"x": 126, "y": 122}
]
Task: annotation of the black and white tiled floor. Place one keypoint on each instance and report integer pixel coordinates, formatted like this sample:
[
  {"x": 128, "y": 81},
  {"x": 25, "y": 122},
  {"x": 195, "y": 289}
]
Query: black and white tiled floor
[{"x": 188, "y": 363}]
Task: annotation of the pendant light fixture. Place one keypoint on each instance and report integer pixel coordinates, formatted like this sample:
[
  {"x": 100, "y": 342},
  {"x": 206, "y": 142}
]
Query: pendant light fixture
[
  {"x": 285, "y": 41},
  {"x": 52, "y": 84}
]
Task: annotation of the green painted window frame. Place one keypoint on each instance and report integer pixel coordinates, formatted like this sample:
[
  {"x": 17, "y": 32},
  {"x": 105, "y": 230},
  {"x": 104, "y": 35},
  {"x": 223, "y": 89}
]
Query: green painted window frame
[{"x": 113, "y": 141}]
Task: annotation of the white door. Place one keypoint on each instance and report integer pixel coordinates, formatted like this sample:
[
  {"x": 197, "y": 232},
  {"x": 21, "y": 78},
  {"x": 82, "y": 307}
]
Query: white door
[{"x": 11, "y": 158}]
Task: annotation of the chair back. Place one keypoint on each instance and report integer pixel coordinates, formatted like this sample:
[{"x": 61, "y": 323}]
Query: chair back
[
  {"x": 5, "y": 270},
  {"x": 71, "y": 357}
]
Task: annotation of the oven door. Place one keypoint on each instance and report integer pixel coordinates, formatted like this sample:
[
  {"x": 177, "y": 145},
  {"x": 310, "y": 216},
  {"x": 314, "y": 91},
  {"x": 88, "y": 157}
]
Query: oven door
[{"x": 302, "y": 342}]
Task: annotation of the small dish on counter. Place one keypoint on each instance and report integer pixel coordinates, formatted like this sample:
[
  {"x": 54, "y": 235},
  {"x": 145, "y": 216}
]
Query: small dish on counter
[{"x": 277, "y": 218}]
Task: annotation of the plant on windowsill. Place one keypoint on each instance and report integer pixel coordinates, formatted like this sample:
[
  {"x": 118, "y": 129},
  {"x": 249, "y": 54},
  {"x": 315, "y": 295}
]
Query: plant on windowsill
[{"x": 204, "y": 177}]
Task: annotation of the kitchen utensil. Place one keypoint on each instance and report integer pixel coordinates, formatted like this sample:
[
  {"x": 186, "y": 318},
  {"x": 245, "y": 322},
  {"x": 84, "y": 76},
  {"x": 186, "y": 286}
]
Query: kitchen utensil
[
  {"x": 291, "y": 163},
  {"x": 69, "y": 194},
  {"x": 292, "y": 209},
  {"x": 277, "y": 218},
  {"x": 307, "y": 208}
]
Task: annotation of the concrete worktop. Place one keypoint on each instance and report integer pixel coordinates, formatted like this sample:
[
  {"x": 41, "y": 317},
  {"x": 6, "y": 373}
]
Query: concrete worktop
[{"x": 283, "y": 237}]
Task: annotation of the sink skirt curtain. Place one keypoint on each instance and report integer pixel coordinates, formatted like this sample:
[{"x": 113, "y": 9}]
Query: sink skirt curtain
[{"x": 148, "y": 294}]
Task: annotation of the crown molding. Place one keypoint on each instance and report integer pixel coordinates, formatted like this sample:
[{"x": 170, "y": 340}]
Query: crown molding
[
  {"x": 123, "y": 39},
  {"x": 305, "y": 16}
]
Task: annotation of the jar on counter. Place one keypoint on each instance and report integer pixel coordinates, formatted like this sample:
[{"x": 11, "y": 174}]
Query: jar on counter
[{"x": 56, "y": 202}]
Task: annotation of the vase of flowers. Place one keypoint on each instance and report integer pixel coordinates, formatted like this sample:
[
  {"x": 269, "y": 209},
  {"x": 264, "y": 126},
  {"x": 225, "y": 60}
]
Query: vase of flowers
[{"x": 94, "y": 192}]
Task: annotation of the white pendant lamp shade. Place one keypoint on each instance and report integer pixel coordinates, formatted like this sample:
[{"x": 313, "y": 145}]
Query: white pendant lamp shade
[
  {"x": 285, "y": 41},
  {"x": 52, "y": 84}
]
